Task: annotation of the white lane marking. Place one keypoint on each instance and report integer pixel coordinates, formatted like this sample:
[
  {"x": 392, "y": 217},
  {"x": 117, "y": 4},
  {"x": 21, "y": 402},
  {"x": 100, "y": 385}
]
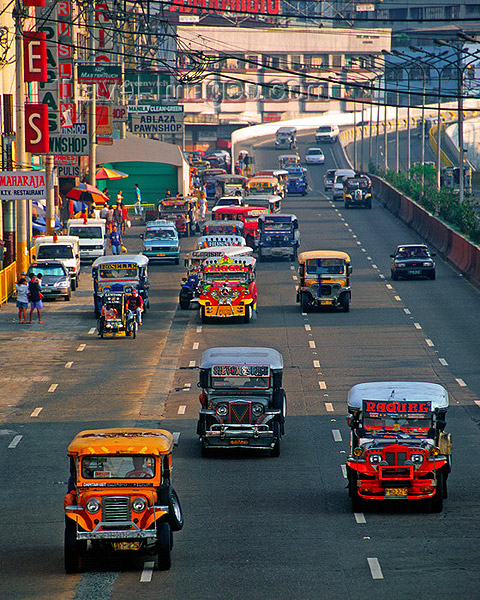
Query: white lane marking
[
  {"x": 187, "y": 386},
  {"x": 381, "y": 275},
  {"x": 53, "y": 387},
  {"x": 308, "y": 327},
  {"x": 337, "y": 436},
  {"x": 147, "y": 572},
  {"x": 37, "y": 411},
  {"x": 181, "y": 409},
  {"x": 195, "y": 346},
  {"x": 460, "y": 382},
  {"x": 68, "y": 365},
  {"x": 16, "y": 440},
  {"x": 369, "y": 258},
  {"x": 359, "y": 243},
  {"x": 477, "y": 402},
  {"x": 316, "y": 364},
  {"x": 192, "y": 363},
  {"x": 375, "y": 569},
  {"x": 374, "y": 266},
  {"x": 328, "y": 406},
  {"x": 176, "y": 437},
  {"x": 92, "y": 331},
  {"x": 292, "y": 268},
  {"x": 406, "y": 311},
  {"x": 322, "y": 385},
  {"x": 417, "y": 325},
  {"x": 397, "y": 298},
  {"x": 344, "y": 471},
  {"x": 359, "y": 518},
  {"x": 429, "y": 342},
  {"x": 81, "y": 348},
  {"x": 199, "y": 329},
  {"x": 388, "y": 286},
  {"x": 443, "y": 362},
  {"x": 354, "y": 237},
  {"x": 304, "y": 314},
  {"x": 312, "y": 344},
  {"x": 295, "y": 278},
  {"x": 363, "y": 250}
]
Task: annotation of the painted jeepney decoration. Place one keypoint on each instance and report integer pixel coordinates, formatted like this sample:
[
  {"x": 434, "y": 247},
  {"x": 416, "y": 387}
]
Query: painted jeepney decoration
[
  {"x": 222, "y": 228},
  {"x": 399, "y": 450},
  {"x": 243, "y": 403},
  {"x": 210, "y": 241},
  {"x": 228, "y": 288}
]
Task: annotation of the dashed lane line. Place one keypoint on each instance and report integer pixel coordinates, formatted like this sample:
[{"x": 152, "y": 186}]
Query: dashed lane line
[
  {"x": 417, "y": 325},
  {"x": 316, "y": 364},
  {"x": 460, "y": 382},
  {"x": 322, "y": 385},
  {"x": 375, "y": 568},
  {"x": 443, "y": 362},
  {"x": 81, "y": 348},
  {"x": 397, "y": 298},
  {"x": 199, "y": 329},
  {"x": 406, "y": 311},
  {"x": 147, "y": 573},
  {"x": 308, "y": 327},
  {"x": 388, "y": 286},
  {"x": 312, "y": 344},
  {"x": 195, "y": 345},
  {"x": 181, "y": 409},
  {"x": 337, "y": 436},
  {"x": 192, "y": 364},
  {"x": 477, "y": 402},
  {"x": 344, "y": 470},
  {"x": 359, "y": 518},
  {"x": 37, "y": 411},
  {"x": 68, "y": 365},
  {"x": 176, "y": 437},
  {"x": 53, "y": 387},
  {"x": 328, "y": 406},
  {"x": 429, "y": 342},
  {"x": 92, "y": 331},
  {"x": 16, "y": 440}
]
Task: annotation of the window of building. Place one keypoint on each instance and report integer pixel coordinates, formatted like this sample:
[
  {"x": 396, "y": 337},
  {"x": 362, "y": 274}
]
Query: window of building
[
  {"x": 317, "y": 92},
  {"x": 434, "y": 12},
  {"x": 234, "y": 91},
  {"x": 252, "y": 91},
  {"x": 336, "y": 91},
  {"x": 253, "y": 61},
  {"x": 319, "y": 61},
  {"x": 336, "y": 60},
  {"x": 296, "y": 62}
]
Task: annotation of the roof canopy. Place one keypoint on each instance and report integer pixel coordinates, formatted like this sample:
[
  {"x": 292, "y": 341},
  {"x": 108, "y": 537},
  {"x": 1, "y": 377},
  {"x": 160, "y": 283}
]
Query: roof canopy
[
  {"x": 122, "y": 440},
  {"x": 137, "y": 149},
  {"x": 410, "y": 391},
  {"x": 241, "y": 355}
]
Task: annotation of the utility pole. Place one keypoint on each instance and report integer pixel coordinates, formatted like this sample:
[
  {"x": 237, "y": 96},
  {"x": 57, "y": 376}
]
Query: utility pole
[
  {"x": 92, "y": 106},
  {"x": 22, "y": 256}
]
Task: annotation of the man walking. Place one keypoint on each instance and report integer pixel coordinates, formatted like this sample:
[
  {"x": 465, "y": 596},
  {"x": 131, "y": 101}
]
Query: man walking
[
  {"x": 138, "y": 200},
  {"x": 115, "y": 241}
]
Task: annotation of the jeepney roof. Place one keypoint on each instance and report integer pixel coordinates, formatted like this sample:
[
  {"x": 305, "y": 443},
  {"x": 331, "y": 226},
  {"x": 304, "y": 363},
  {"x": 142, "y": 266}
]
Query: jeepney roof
[
  {"x": 246, "y": 261},
  {"x": 263, "y": 178},
  {"x": 221, "y": 251},
  {"x": 139, "y": 259},
  {"x": 159, "y": 223},
  {"x": 316, "y": 254},
  {"x": 241, "y": 355},
  {"x": 222, "y": 239},
  {"x": 231, "y": 178},
  {"x": 271, "y": 173},
  {"x": 220, "y": 223},
  {"x": 175, "y": 201},
  {"x": 238, "y": 210},
  {"x": 411, "y": 391},
  {"x": 121, "y": 440},
  {"x": 278, "y": 218},
  {"x": 287, "y": 156}
]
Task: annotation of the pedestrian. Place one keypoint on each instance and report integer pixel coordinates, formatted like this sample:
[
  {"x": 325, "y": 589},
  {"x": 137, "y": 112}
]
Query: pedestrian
[
  {"x": 117, "y": 216},
  {"x": 203, "y": 205},
  {"x": 22, "y": 299},
  {"x": 35, "y": 297},
  {"x": 124, "y": 219},
  {"x": 109, "y": 218},
  {"x": 39, "y": 279},
  {"x": 106, "y": 193},
  {"x": 119, "y": 197},
  {"x": 104, "y": 212},
  {"x": 168, "y": 194},
  {"x": 138, "y": 200},
  {"x": 115, "y": 241}
]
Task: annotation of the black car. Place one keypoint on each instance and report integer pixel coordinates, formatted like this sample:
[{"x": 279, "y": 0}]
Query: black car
[{"x": 412, "y": 260}]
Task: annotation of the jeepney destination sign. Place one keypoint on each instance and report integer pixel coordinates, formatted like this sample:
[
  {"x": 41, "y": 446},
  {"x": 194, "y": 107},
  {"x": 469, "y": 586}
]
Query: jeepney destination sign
[
  {"x": 240, "y": 370},
  {"x": 397, "y": 408}
]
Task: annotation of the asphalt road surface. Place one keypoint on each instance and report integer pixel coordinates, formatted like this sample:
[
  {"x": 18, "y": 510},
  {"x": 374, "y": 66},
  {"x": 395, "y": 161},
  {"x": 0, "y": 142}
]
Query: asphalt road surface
[{"x": 255, "y": 527}]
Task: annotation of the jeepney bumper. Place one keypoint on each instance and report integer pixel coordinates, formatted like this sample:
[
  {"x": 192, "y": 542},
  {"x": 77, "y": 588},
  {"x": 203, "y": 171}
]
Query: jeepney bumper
[
  {"x": 287, "y": 250},
  {"x": 327, "y": 294},
  {"x": 164, "y": 254},
  {"x": 243, "y": 436},
  {"x": 226, "y": 310}
]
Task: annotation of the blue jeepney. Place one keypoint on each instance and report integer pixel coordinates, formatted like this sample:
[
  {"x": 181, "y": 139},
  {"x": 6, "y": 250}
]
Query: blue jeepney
[
  {"x": 297, "y": 181},
  {"x": 160, "y": 241},
  {"x": 122, "y": 273},
  {"x": 278, "y": 236}
]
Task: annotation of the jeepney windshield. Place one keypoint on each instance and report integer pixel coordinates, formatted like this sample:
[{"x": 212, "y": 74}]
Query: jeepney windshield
[
  {"x": 118, "y": 467},
  {"x": 118, "y": 271},
  {"x": 325, "y": 266},
  {"x": 221, "y": 277},
  {"x": 182, "y": 208},
  {"x": 251, "y": 219},
  {"x": 257, "y": 383},
  {"x": 159, "y": 234},
  {"x": 276, "y": 226},
  {"x": 391, "y": 423},
  {"x": 85, "y": 233}
]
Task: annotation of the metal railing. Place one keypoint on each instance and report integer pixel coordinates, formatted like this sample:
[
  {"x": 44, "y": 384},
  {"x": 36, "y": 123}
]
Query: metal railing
[{"x": 8, "y": 277}]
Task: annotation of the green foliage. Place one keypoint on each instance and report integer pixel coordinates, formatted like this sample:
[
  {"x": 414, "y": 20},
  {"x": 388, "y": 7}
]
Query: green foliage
[{"x": 444, "y": 202}]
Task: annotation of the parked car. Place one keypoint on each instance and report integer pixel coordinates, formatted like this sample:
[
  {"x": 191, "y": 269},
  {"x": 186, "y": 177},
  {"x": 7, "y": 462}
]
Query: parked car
[
  {"x": 315, "y": 156},
  {"x": 412, "y": 260},
  {"x": 56, "y": 280}
]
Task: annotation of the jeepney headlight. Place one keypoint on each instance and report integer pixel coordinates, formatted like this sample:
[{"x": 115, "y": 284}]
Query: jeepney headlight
[
  {"x": 374, "y": 459},
  {"x": 417, "y": 459},
  {"x": 268, "y": 238},
  {"x": 285, "y": 238},
  {"x": 93, "y": 505},
  {"x": 139, "y": 504},
  {"x": 222, "y": 410},
  {"x": 257, "y": 410},
  {"x": 435, "y": 451}
]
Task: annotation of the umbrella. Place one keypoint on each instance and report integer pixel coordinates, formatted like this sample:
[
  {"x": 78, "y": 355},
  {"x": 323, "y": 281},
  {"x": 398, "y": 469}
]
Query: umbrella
[
  {"x": 104, "y": 173},
  {"x": 84, "y": 192}
]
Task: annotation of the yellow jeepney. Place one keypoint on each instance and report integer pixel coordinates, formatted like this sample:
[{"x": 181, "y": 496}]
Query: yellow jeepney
[{"x": 324, "y": 279}]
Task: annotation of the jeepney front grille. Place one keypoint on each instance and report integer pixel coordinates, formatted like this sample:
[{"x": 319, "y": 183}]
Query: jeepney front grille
[
  {"x": 116, "y": 508},
  {"x": 240, "y": 413},
  {"x": 395, "y": 458},
  {"x": 395, "y": 473},
  {"x": 277, "y": 242},
  {"x": 161, "y": 248},
  {"x": 326, "y": 290}
]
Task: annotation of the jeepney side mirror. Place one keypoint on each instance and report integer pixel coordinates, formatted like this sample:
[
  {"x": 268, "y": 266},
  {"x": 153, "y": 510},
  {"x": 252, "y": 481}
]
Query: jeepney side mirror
[
  {"x": 349, "y": 269},
  {"x": 203, "y": 379},
  {"x": 277, "y": 380},
  {"x": 94, "y": 273}
]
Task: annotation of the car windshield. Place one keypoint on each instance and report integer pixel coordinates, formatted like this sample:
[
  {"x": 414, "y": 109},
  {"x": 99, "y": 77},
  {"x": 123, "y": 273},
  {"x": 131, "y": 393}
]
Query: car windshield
[
  {"x": 261, "y": 383},
  {"x": 412, "y": 252},
  {"x": 56, "y": 271},
  {"x": 277, "y": 226},
  {"x": 325, "y": 266},
  {"x": 55, "y": 251},
  {"x": 118, "y": 467},
  {"x": 86, "y": 232},
  {"x": 330, "y": 174},
  {"x": 118, "y": 273},
  {"x": 314, "y": 151},
  {"x": 354, "y": 184},
  {"x": 159, "y": 234},
  {"x": 324, "y": 129}
]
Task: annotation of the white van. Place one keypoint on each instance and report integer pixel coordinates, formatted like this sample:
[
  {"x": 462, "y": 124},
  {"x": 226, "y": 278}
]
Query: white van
[
  {"x": 92, "y": 237},
  {"x": 65, "y": 248},
  {"x": 327, "y": 133}
]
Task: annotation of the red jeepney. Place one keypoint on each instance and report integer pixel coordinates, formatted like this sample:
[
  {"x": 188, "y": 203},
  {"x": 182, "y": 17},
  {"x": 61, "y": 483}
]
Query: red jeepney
[
  {"x": 399, "y": 450},
  {"x": 228, "y": 288},
  {"x": 182, "y": 211},
  {"x": 248, "y": 215}
]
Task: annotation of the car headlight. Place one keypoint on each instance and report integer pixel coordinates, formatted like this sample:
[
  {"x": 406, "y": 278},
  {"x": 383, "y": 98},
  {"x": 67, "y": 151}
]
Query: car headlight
[
  {"x": 61, "y": 284},
  {"x": 417, "y": 459},
  {"x": 374, "y": 459},
  {"x": 257, "y": 410},
  {"x": 139, "y": 504},
  {"x": 93, "y": 505},
  {"x": 268, "y": 238},
  {"x": 286, "y": 238},
  {"x": 222, "y": 410},
  {"x": 399, "y": 264},
  {"x": 428, "y": 264}
]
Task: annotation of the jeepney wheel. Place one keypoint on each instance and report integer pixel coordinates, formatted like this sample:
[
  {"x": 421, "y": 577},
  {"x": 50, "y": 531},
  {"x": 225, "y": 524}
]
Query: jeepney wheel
[
  {"x": 275, "y": 451},
  {"x": 184, "y": 300},
  {"x": 164, "y": 546},
  {"x": 436, "y": 503},
  {"x": 345, "y": 302},
  {"x": 169, "y": 497},
  {"x": 206, "y": 451},
  {"x": 73, "y": 549},
  {"x": 203, "y": 316},
  {"x": 248, "y": 314},
  {"x": 305, "y": 302}
]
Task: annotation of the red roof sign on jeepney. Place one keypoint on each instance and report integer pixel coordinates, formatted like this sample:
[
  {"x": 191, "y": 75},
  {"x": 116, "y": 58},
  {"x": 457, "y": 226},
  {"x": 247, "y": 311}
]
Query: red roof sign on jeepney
[
  {"x": 397, "y": 408},
  {"x": 238, "y": 264},
  {"x": 240, "y": 370}
]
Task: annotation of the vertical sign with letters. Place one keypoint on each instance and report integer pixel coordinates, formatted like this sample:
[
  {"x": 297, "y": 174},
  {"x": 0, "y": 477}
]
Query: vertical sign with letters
[
  {"x": 48, "y": 90},
  {"x": 36, "y": 128},
  {"x": 35, "y": 56}
]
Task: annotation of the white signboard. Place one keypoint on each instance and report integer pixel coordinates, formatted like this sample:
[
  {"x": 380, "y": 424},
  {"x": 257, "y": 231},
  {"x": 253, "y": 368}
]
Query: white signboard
[
  {"x": 18, "y": 185},
  {"x": 73, "y": 141},
  {"x": 159, "y": 119}
]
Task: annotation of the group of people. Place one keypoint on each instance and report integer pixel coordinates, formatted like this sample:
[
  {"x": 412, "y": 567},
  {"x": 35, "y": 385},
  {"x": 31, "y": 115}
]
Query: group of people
[{"x": 29, "y": 291}]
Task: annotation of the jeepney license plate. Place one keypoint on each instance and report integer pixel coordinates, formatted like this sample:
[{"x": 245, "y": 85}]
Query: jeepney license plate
[
  {"x": 239, "y": 442},
  {"x": 396, "y": 493},
  {"x": 161, "y": 254},
  {"x": 325, "y": 301},
  {"x": 126, "y": 545}
]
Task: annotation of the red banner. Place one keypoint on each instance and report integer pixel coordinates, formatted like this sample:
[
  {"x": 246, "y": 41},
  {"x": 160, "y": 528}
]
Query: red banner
[
  {"x": 36, "y": 128},
  {"x": 33, "y": 2},
  {"x": 35, "y": 56}
]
